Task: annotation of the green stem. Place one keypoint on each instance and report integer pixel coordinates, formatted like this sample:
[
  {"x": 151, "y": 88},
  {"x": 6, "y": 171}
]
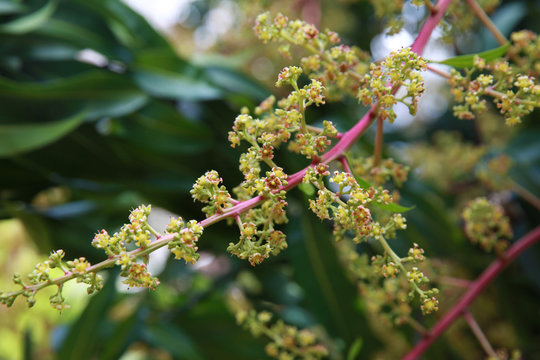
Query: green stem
[
  {"x": 110, "y": 262},
  {"x": 152, "y": 230},
  {"x": 302, "y": 107},
  {"x": 397, "y": 260}
]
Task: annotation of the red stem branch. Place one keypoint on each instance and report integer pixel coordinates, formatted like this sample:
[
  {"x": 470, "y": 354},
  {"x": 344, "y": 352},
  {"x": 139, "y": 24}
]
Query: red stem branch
[
  {"x": 430, "y": 24},
  {"x": 479, "y": 334},
  {"x": 476, "y": 288},
  {"x": 346, "y": 166}
]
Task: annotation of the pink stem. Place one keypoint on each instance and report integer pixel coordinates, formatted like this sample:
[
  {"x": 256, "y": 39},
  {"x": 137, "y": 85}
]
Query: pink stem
[
  {"x": 345, "y": 163},
  {"x": 475, "y": 289},
  {"x": 430, "y": 24},
  {"x": 439, "y": 72}
]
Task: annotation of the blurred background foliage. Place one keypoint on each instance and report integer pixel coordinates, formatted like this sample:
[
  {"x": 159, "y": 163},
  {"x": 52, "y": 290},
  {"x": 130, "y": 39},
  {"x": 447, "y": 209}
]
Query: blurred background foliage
[{"x": 101, "y": 112}]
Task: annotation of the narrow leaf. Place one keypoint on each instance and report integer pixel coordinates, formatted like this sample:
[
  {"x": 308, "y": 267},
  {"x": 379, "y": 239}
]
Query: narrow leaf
[
  {"x": 363, "y": 183},
  {"x": 464, "y": 61},
  {"x": 307, "y": 189},
  {"x": 395, "y": 208},
  {"x": 169, "y": 85},
  {"x": 30, "y": 22},
  {"x": 16, "y": 139},
  {"x": 355, "y": 348}
]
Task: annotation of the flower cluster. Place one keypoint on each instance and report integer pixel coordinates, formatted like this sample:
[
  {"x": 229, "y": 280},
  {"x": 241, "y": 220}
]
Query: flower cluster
[
  {"x": 184, "y": 245},
  {"x": 387, "y": 169},
  {"x": 208, "y": 191},
  {"x": 258, "y": 237},
  {"x": 277, "y": 126},
  {"x": 486, "y": 224},
  {"x": 503, "y": 354},
  {"x": 525, "y": 52},
  {"x": 494, "y": 172},
  {"x": 391, "y": 11},
  {"x": 286, "y": 342},
  {"x": 400, "y": 68},
  {"x": 432, "y": 160},
  {"x": 137, "y": 233},
  {"x": 408, "y": 278},
  {"x": 387, "y": 284},
  {"x": 515, "y": 95},
  {"x": 41, "y": 277},
  {"x": 337, "y": 67},
  {"x": 459, "y": 18},
  {"x": 349, "y": 205}
]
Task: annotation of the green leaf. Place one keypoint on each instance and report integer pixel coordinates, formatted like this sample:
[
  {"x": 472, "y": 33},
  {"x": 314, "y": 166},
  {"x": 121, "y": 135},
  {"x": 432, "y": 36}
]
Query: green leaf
[
  {"x": 154, "y": 131},
  {"x": 96, "y": 84},
  {"x": 363, "y": 183},
  {"x": 328, "y": 293},
  {"x": 30, "y": 22},
  {"x": 236, "y": 82},
  {"x": 120, "y": 17},
  {"x": 355, "y": 348},
  {"x": 116, "y": 106},
  {"x": 395, "y": 208},
  {"x": 76, "y": 35},
  {"x": 34, "y": 225},
  {"x": 99, "y": 93},
  {"x": 307, "y": 189},
  {"x": 169, "y": 85},
  {"x": 78, "y": 344},
  {"x": 51, "y": 51},
  {"x": 173, "y": 339},
  {"x": 16, "y": 139},
  {"x": 123, "y": 335},
  {"x": 464, "y": 61}
]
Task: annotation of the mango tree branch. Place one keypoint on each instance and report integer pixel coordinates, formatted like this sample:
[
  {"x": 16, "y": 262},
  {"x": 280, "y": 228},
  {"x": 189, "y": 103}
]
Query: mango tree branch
[
  {"x": 475, "y": 289},
  {"x": 344, "y": 143}
]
